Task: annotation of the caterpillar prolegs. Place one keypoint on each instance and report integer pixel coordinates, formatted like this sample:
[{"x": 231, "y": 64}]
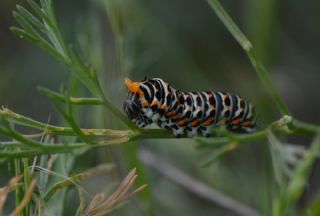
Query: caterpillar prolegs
[{"x": 186, "y": 113}]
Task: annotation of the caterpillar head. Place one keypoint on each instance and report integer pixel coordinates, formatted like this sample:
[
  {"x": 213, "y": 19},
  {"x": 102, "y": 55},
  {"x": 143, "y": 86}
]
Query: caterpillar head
[{"x": 133, "y": 105}]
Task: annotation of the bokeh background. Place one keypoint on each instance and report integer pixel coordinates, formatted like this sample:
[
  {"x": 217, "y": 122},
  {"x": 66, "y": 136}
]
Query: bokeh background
[{"x": 184, "y": 43}]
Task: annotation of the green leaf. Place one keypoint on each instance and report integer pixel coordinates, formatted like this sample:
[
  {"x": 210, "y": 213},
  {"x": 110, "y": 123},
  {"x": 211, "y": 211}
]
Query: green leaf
[
  {"x": 86, "y": 76},
  {"x": 48, "y": 7},
  {"x": 38, "y": 41},
  {"x": 25, "y": 25},
  {"x": 32, "y": 19},
  {"x": 39, "y": 12},
  {"x": 23, "y": 34}
]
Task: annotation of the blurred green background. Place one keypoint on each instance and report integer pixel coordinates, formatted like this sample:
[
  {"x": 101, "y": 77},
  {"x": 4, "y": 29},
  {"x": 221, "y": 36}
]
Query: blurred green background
[{"x": 184, "y": 43}]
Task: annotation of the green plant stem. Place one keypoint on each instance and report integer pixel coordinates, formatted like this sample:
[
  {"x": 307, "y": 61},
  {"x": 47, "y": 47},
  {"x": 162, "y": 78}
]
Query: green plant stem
[
  {"x": 303, "y": 128},
  {"x": 67, "y": 115},
  {"x": 18, "y": 191},
  {"x": 54, "y": 43},
  {"x": 294, "y": 127},
  {"x": 285, "y": 125},
  {"x": 248, "y": 48},
  {"x": 55, "y": 130},
  {"x": 27, "y": 181},
  {"x": 47, "y": 149},
  {"x": 73, "y": 100},
  {"x": 90, "y": 101},
  {"x": 23, "y": 140}
]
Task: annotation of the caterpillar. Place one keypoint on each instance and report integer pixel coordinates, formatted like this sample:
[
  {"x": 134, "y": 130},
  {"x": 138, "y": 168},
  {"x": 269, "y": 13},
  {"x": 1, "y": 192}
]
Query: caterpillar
[{"x": 186, "y": 113}]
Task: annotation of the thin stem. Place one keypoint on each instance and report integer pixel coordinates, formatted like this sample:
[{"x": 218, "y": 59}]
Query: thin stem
[
  {"x": 73, "y": 100},
  {"x": 20, "y": 138},
  {"x": 18, "y": 190},
  {"x": 56, "y": 130},
  {"x": 238, "y": 139},
  {"x": 28, "y": 153},
  {"x": 48, "y": 149},
  {"x": 91, "y": 101},
  {"x": 281, "y": 126},
  {"x": 195, "y": 186},
  {"x": 27, "y": 181},
  {"x": 303, "y": 128},
  {"x": 293, "y": 127},
  {"x": 266, "y": 81},
  {"x": 286, "y": 125},
  {"x": 248, "y": 48}
]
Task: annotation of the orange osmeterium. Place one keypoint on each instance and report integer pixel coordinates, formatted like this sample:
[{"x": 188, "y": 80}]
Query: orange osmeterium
[{"x": 133, "y": 87}]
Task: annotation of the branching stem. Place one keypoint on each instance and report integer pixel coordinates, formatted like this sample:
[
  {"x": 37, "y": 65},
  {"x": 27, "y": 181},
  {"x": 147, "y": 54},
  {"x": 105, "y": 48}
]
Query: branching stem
[{"x": 286, "y": 125}]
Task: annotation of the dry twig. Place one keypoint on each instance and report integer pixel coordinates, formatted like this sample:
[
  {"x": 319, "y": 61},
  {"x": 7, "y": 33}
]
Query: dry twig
[
  {"x": 26, "y": 199},
  {"x": 4, "y": 192},
  {"x": 102, "y": 205}
]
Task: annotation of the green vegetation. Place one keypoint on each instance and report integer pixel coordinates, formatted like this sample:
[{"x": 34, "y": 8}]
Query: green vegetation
[{"x": 43, "y": 161}]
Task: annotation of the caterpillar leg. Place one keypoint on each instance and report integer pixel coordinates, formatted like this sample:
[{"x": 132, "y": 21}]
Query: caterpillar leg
[
  {"x": 177, "y": 131},
  {"x": 249, "y": 129},
  {"x": 192, "y": 131},
  {"x": 242, "y": 128},
  {"x": 204, "y": 131}
]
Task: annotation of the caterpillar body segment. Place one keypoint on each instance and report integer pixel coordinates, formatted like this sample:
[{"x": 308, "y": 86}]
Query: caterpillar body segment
[{"x": 186, "y": 113}]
